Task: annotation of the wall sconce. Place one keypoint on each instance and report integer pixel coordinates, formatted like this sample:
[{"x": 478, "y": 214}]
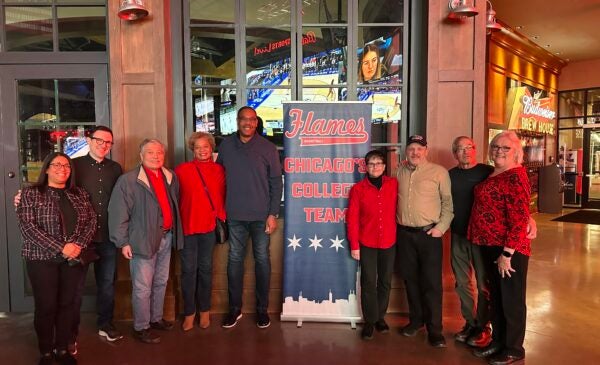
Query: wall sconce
[
  {"x": 132, "y": 10},
  {"x": 459, "y": 9},
  {"x": 491, "y": 25}
]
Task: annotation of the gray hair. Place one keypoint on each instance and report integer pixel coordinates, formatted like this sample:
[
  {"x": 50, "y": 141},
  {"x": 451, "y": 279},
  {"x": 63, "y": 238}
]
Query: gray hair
[
  {"x": 151, "y": 140},
  {"x": 199, "y": 135},
  {"x": 514, "y": 141},
  {"x": 457, "y": 141}
]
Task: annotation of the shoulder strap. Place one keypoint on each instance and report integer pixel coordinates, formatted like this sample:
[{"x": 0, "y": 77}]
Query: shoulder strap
[{"x": 205, "y": 188}]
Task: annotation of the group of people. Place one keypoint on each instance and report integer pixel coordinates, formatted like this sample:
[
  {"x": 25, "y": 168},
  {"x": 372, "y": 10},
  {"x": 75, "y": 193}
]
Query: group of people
[
  {"x": 86, "y": 210},
  {"x": 486, "y": 208}
]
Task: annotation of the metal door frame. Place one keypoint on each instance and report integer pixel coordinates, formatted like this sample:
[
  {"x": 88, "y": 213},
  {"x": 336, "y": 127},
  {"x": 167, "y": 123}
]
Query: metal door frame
[
  {"x": 12, "y": 272},
  {"x": 585, "y": 202}
]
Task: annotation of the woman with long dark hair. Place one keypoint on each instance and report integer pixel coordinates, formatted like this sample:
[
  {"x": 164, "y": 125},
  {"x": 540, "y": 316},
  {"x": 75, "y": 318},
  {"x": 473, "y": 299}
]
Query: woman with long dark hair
[{"x": 57, "y": 221}]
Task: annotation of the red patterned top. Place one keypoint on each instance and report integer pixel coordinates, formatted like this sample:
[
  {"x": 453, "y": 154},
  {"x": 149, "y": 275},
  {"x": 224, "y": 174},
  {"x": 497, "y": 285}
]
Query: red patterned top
[{"x": 501, "y": 211}]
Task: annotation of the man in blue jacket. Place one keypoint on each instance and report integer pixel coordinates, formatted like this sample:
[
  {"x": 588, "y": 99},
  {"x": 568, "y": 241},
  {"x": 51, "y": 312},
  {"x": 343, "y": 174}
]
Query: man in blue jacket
[
  {"x": 254, "y": 186},
  {"x": 144, "y": 223}
]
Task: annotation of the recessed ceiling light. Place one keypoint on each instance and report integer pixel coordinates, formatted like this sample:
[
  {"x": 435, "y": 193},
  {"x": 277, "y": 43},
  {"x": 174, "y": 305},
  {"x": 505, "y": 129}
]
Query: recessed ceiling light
[
  {"x": 557, "y": 53},
  {"x": 535, "y": 37},
  {"x": 547, "y": 46},
  {"x": 519, "y": 27}
]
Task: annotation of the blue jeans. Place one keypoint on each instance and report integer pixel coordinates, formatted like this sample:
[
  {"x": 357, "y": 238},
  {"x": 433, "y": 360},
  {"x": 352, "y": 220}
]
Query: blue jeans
[
  {"x": 196, "y": 272},
  {"x": 238, "y": 240},
  {"x": 149, "y": 280}
]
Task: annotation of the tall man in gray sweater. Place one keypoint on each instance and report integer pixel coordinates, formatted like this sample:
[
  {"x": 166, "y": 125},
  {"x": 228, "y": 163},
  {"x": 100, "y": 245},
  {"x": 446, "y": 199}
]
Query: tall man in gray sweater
[{"x": 254, "y": 186}]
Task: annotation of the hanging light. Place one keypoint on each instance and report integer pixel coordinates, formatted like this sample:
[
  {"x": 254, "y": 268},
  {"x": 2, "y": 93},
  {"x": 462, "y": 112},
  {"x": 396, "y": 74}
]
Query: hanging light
[
  {"x": 132, "y": 10},
  {"x": 491, "y": 24},
  {"x": 460, "y": 9}
]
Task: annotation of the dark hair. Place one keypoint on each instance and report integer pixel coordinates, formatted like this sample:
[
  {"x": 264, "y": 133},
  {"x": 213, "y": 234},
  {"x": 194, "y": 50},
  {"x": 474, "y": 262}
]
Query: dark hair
[
  {"x": 100, "y": 128},
  {"x": 375, "y": 154},
  {"x": 369, "y": 48},
  {"x": 246, "y": 108},
  {"x": 42, "y": 181},
  {"x": 260, "y": 125}
]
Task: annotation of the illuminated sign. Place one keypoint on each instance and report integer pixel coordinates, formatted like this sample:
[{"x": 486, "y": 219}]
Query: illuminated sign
[
  {"x": 530, "y": 112},
  {"x": 308, "y": 38}
]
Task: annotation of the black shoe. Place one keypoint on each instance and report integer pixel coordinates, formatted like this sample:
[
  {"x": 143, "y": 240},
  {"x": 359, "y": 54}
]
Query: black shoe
[
  {"x": 410, "y": 330},
  {"x": 109, "y": 332},
  {"x": 63, "y": 357},
  {"x": 162, "y": 325},
  {"x": 489, "y": 350},
  {"x": 146, "y": 336},
  {"x": 505, "y": 359},
  {"x": 231, "y": 319},
  {"x": 480, "y": 338},
  {"x": 465, "y": 333},
  {"x": 367, "y": 332},
  {"x": 381, "y": 326},
  {"x": 436, "y": 340},
  {"x": 262, "y": 320},
  {"x": 46, "y": 359}
]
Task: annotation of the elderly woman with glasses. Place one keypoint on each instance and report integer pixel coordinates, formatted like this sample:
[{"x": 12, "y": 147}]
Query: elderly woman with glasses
[
  {"x": 498, "y": 224},
  {"x": 57, "y": 222},
  {"x": 371, "y": 224}
]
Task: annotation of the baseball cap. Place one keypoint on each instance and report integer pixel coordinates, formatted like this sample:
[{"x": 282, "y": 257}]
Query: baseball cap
[{"x": 417, "y": 139}]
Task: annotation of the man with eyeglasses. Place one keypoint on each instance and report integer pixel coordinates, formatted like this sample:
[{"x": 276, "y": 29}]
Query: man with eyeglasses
[
  {"x": 98, "y": 174},
  {"x": 254, "y": 187},
  {"x": 466, "y": 259},
  {"x": 423, "y": 214}
]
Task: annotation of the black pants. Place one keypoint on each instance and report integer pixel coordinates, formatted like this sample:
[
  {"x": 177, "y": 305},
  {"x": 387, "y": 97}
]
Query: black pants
[
  {"x": 376, "y": 268},
  {"x": 54, "y": 292},
  {"x": 420, "y": 259},
  {"x": 508, "y": 306}
]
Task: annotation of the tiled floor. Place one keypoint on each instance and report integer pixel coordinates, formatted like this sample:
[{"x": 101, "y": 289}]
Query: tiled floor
[{"x": 563, "y": 324}]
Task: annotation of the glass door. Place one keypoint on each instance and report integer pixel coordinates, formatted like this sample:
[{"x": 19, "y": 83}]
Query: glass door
[
  {"x": 44, "y": 108},
  {"x": 591, "y": 181}
]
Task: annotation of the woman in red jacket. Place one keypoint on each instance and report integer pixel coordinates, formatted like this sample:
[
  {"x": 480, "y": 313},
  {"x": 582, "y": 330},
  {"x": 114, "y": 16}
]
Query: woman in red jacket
[
  {"x": 498, "y": 224},
  {"x": 201, "y": 201},
  {"x": 371, "y": 222}
]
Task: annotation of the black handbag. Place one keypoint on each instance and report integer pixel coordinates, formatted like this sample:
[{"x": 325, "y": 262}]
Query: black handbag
[{"x": 221, "y": 228}]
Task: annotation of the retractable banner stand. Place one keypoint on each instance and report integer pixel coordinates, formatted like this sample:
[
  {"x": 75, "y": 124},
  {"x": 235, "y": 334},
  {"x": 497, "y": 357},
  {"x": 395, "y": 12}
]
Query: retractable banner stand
[{"x": 325, "y": 144}]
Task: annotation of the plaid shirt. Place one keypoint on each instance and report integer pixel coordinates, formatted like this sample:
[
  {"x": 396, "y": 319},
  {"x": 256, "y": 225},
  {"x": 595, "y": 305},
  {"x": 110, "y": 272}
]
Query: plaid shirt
[{"x": 40, "y": 222}]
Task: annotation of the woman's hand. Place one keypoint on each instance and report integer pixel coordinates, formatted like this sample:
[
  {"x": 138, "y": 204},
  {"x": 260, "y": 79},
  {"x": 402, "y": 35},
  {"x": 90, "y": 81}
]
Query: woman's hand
[
  {"x": 504, "y": 266},
  {"x": 71, "y": 250},
  {"x": 270, "y": 224},
  {"x": 355, "y": 254}
]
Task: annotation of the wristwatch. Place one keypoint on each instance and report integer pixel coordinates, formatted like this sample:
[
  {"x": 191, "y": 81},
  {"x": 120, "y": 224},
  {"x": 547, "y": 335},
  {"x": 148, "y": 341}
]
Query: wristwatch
[{"x": 507, "y": 254}]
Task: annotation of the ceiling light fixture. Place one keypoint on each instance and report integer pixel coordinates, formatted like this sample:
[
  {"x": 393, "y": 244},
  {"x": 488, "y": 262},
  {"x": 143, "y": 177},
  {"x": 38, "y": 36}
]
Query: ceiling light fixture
[
  {"x": 491, "y": 25},
  {"x": 459, "y": 9},
  {"x": 132, "y": 10}
]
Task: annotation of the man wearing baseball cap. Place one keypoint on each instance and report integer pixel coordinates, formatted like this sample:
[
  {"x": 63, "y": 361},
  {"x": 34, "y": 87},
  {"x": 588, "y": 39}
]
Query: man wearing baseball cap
[{"x": 424, "y": 213}]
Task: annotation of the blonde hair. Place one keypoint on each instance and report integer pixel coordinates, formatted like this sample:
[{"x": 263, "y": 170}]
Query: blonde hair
[
  {"x": 198, "y": 135},
  {"x": 514, "y": 141}
]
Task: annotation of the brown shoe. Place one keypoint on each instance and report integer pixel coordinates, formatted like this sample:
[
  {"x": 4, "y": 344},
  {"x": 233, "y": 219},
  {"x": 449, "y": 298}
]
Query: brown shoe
[
  {"x": 204, "y": 319},
  {"x": 188, "y": 322}
]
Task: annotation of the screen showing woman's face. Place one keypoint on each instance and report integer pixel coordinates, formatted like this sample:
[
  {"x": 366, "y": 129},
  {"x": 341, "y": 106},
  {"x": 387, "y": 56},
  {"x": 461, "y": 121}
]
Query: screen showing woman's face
[{"x": 368, "y": 66}]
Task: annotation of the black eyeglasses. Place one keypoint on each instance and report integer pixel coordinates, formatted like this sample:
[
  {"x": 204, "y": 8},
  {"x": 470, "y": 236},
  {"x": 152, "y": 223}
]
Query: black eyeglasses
[
  {"x": 100, "y": 142},
  {"x": 495, "y": 147},
  {"x": 375, "y": 164},
  {"x": 60, "y": 166}
]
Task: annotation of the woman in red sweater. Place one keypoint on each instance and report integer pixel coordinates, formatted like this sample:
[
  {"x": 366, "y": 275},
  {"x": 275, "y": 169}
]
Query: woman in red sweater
[
  {"x": 371, "y": 224},
  {"x": 201, "y": 200},
  {"x": 498, "y": 224}
]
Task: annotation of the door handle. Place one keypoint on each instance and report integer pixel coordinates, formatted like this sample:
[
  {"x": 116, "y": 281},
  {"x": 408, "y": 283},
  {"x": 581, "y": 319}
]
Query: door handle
[{"x": 11, "y": 174}]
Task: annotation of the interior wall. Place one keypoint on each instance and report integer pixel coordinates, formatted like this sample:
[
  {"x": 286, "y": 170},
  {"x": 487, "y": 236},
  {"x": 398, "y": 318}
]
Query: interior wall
[{"x": 580, "y": 75}]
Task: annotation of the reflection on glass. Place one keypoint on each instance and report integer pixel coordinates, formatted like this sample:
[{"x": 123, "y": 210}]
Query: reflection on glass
[
  {"x": 28, "y": 29},
  {"x": 593, "y": 103},
  {"x": 268, "y": 58},
  {"x": 39, "y": 103},
  {"x": 324, "y": 56},
  {"x": 213, "y": 56},
  {"x": 215, "y": 110},
  {"x": 380, "y": 11},
  {"x": 268, "y": 106},
  {"x": 268, "y": 12},
  {"x": 570, "y": 122},
  {"x": 84, "y": 2},
  {"x": 570, "y": 103},
  {"x": 76, "y": 101},
  {"x": 82, "y": 28},
  {"x": 325, "y": 11},
  {"x": 324, "y": 94},
  {"x": 380, "y": 59},
  {"x": 386, "y": 103},
  {"x": 212, "y": 11}
]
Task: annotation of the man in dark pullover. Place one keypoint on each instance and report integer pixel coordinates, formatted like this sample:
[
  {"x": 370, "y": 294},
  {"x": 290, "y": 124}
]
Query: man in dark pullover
[{"x": 254, "y": 186}]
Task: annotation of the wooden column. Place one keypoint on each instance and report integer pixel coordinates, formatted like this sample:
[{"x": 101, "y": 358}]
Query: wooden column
[{"x": 141, "y": 105}]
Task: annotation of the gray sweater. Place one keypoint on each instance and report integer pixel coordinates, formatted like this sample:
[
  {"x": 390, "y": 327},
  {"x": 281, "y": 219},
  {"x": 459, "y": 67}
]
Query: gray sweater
[{"x": 253, "y": 177}]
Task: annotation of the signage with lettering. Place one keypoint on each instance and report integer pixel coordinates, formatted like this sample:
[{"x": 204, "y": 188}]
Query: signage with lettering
[{"x": 528, "y": 109}]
